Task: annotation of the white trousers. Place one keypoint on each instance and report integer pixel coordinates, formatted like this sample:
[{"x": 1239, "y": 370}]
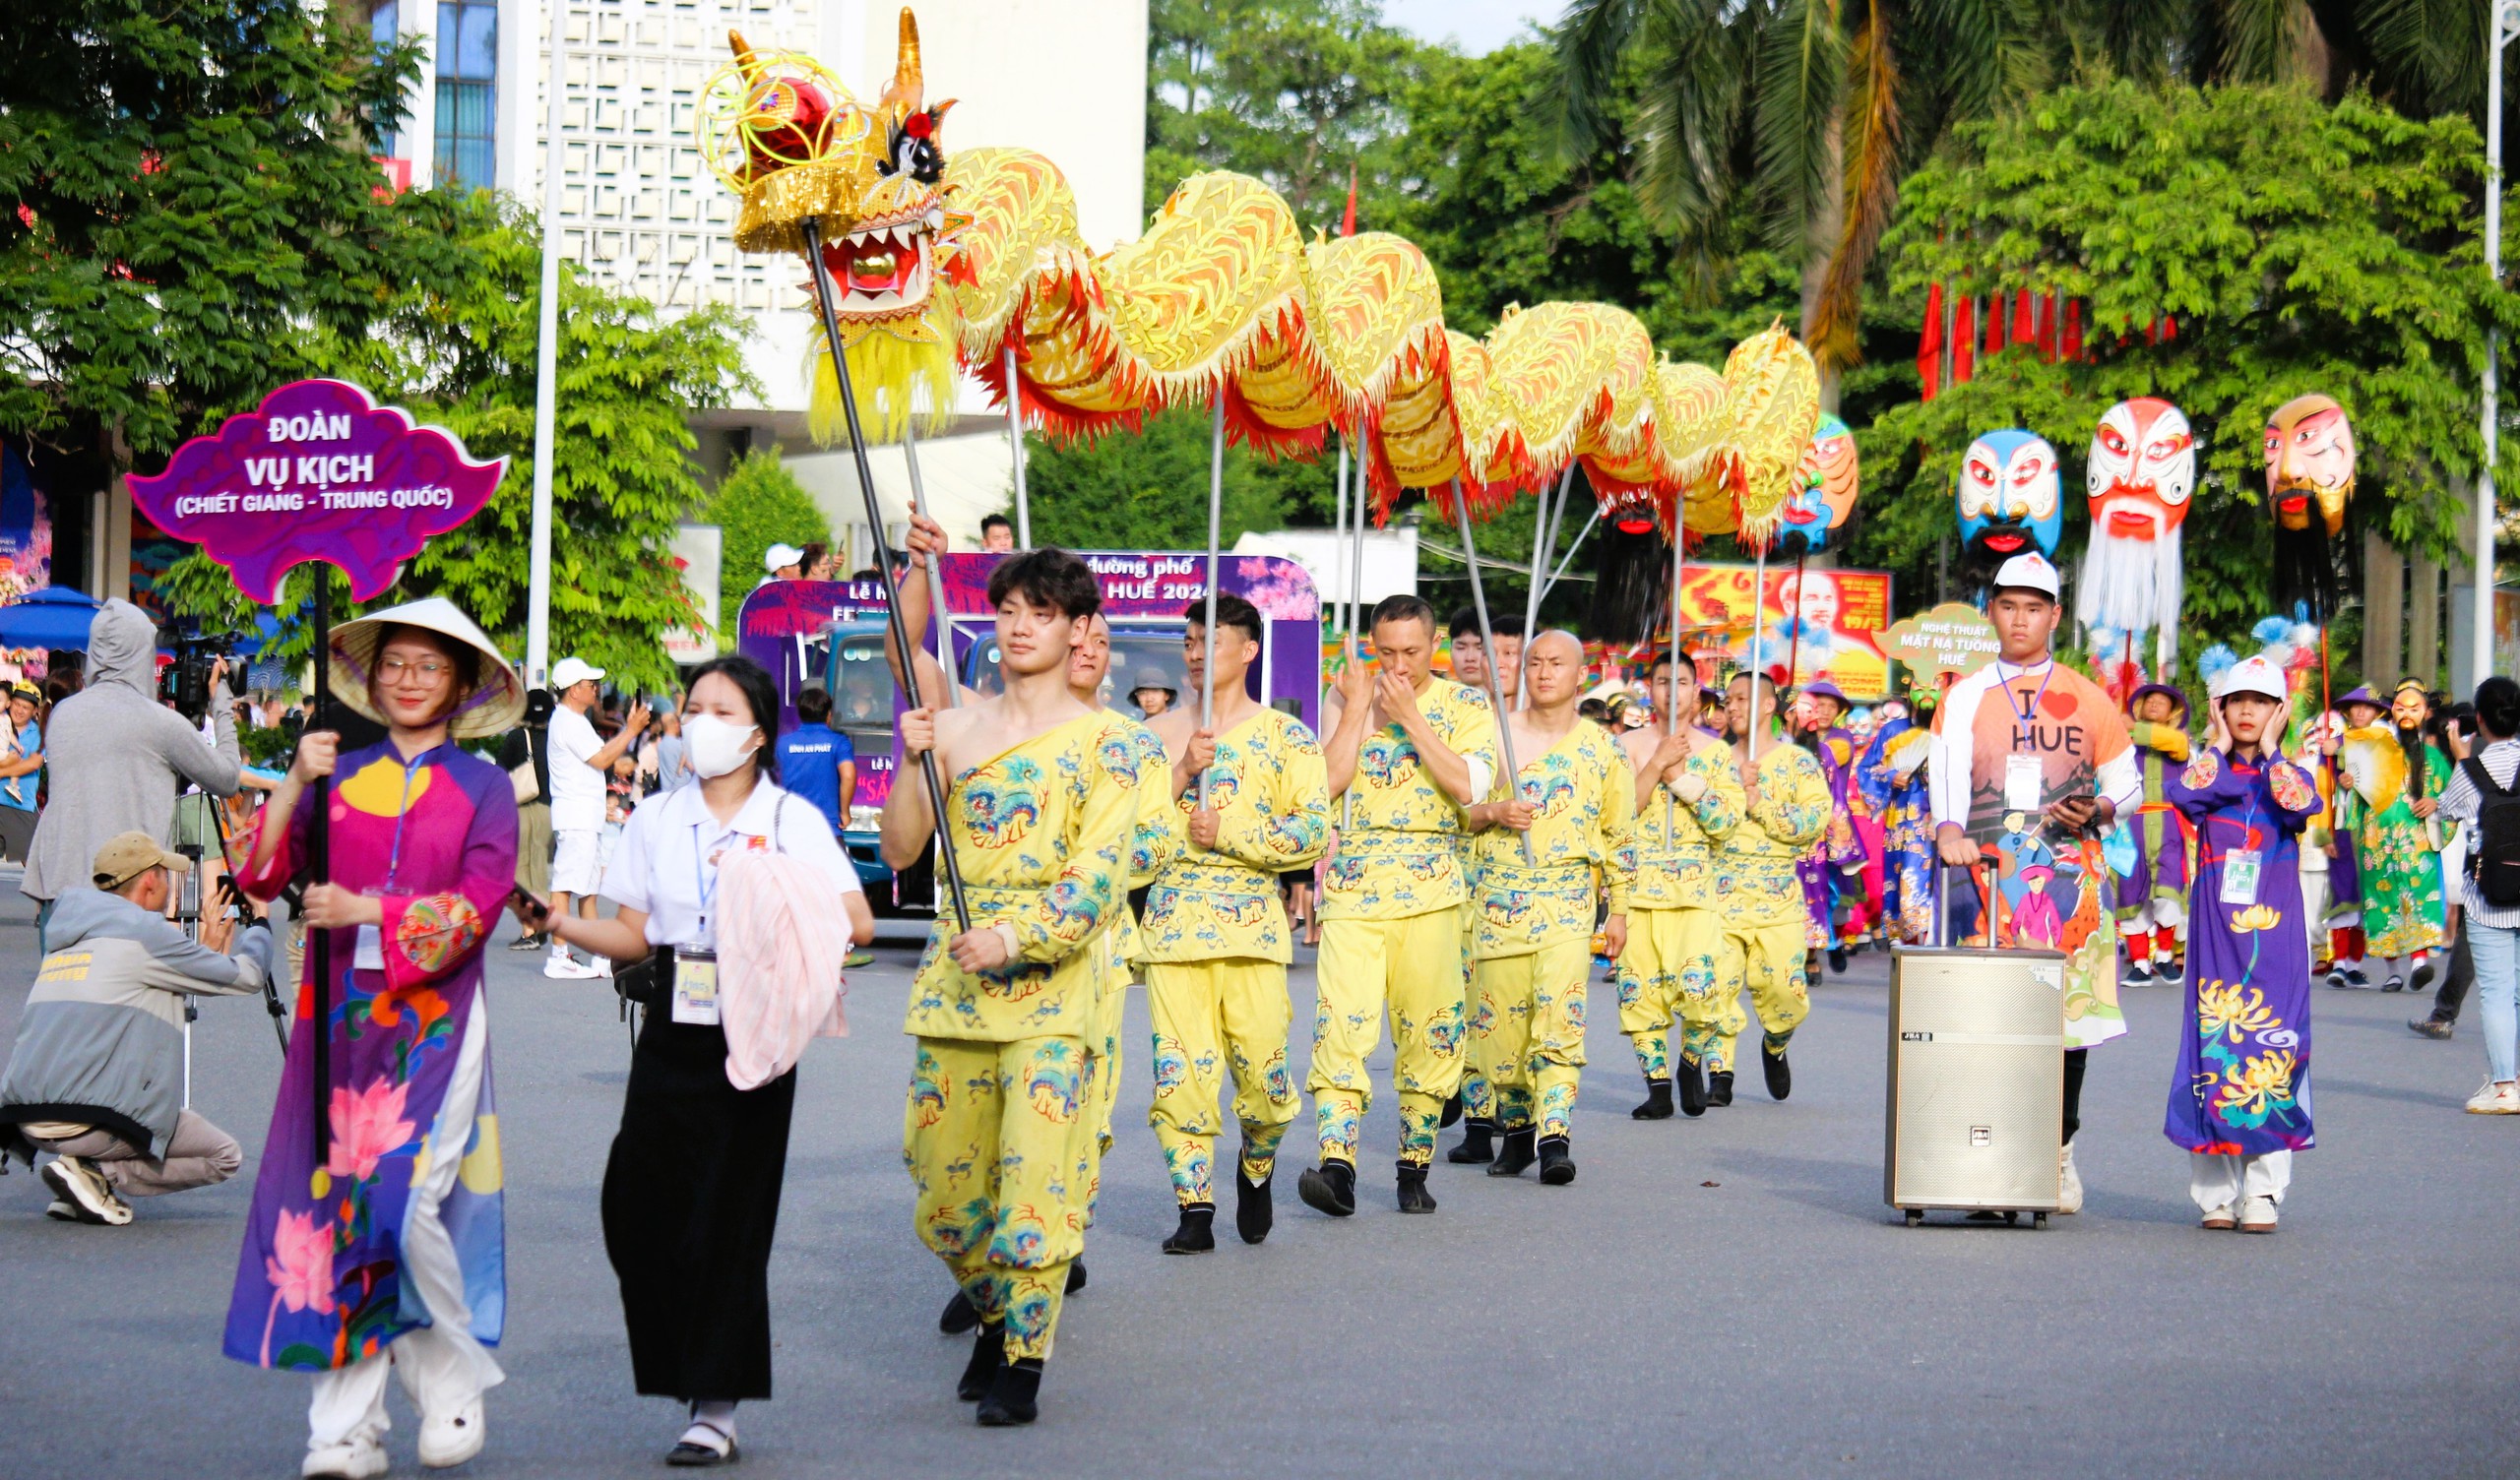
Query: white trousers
[
  {"x": 442, "y": 1365},
  {"x": 2314, "y": 910},
  {"x": 2157, "y": 913},
  {"x": 2220, "y": 1182}
]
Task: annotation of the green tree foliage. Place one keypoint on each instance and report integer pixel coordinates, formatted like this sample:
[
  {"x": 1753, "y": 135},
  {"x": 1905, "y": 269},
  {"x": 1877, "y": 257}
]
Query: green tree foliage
[
  {"x": 2300, "y": 248},
  {"x": 758, "y": 503},
  {"x": 194, "y": 209},
  {"x": 629, "y": 378},
  {"x": 1147, "y": 490}
]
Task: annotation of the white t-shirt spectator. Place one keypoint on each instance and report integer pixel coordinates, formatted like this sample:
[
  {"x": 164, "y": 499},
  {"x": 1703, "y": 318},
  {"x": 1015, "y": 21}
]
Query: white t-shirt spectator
[{"x": 577, "y": 788}]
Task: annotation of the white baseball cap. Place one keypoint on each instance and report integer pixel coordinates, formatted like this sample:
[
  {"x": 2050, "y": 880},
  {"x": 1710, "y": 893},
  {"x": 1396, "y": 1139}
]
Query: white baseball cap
[
  {"x": 2030, "y": 570},
  {"x": 2252, "y": 675},
  {"x": 779, "y": 555},
  {"x": 570, "y": 672}
]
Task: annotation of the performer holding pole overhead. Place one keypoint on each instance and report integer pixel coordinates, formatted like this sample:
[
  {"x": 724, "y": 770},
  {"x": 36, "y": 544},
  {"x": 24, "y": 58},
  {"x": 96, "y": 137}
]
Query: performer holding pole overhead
[
  {"x": 1497, "y": 673},
  {"x": 1044, "y": 805},
  {"x": 1408, "y": 752},
  {"x": 1785, "y": 811},
  {"x": 2030, "y": 760},
  {"x": 1217, "y": 940}
]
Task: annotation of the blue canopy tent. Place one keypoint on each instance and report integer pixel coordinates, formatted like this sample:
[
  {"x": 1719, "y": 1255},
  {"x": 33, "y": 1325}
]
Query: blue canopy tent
[{"x": 54, "y": 617}]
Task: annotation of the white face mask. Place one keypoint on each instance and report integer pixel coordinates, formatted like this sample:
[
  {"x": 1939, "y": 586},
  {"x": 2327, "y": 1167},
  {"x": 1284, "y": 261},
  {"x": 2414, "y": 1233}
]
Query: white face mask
[{"x": 716, "y": 747}]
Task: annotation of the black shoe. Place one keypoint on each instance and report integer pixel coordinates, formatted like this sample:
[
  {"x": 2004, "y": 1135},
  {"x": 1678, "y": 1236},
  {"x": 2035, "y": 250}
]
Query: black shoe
[
  {"x": 2395, "y": 983},
  {"x": 1198, "y": 1231},
  {"x": 529, "y": 942},
  {"x": 1718, "y": 1088},
  {"x": 1015, "y": 1397},
  {"x": 1478, "y": 1143},
  {"x": 2421, "y": 976},
  {"x": 1838, "y": 959},
  {"x": 1657, "y": 1101},
  {"x": 1075, "y": 1276},
  {"x": 1557, "y": 1162},
  {"x": 1692, "y": 1086},
  {"x": 1452, "y": 1112},
  {"x": 960, "y": 1315},
  {"x": 1329, "y": 1188},
  {"x": 1516, "y": 1156},
  {"x": 1254, "y": 1212},
  {"x": 2172, "y": 973},
  {"x": 1780, "y": 1077},
  {"x": 989, "y": 1354},
  {"x": 2432, "y": 1027},
  {"x": 1413, "y": 1197}
]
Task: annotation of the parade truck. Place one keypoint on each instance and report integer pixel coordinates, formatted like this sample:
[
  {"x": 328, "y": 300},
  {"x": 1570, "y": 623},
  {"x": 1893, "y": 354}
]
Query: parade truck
[{"x": 832, "y": 633}]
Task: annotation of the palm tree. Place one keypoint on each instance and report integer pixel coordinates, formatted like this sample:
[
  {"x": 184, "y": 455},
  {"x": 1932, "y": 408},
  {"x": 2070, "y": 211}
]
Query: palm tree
[{"x": 1811, "y": 112}]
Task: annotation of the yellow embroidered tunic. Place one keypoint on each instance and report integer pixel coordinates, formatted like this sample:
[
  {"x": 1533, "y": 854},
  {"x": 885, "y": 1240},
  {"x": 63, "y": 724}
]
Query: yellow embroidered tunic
[
  {"x": 1754, "y": 880},
  {"x": 1042, "y": 834},
  {"x": 1585, "y": 798},
  {"x": 1395, "y": 857},
  {"x": 1154, "y": 837},
  {"x": 1677, "y": 871},
  {"x": 1272, "y": 802}
]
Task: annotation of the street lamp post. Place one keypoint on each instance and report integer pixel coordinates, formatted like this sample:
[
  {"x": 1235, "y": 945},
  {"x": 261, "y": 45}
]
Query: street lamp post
[
  {"x": 546, "y": 353},
  {"x": 2506, "y": 25}
]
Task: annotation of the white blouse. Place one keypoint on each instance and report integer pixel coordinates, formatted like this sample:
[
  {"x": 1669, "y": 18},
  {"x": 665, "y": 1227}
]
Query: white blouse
[{"x": 666, "y": 862}]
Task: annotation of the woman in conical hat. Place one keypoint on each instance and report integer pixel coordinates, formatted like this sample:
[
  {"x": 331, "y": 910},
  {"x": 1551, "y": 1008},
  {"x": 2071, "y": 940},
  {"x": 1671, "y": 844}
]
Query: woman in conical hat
[{"x": 393, "y": 1243}]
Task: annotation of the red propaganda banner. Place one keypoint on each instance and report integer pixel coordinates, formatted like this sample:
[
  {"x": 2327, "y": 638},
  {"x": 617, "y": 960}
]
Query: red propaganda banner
[
  {"x": 318, "y": 471},
  {"x": 1827, "y": 623}
]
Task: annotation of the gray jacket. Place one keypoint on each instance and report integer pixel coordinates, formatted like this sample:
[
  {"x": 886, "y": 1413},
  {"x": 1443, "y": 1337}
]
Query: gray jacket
[
  {"x": 118, "y": 757},
  {"x": 101, "y": 1040}
]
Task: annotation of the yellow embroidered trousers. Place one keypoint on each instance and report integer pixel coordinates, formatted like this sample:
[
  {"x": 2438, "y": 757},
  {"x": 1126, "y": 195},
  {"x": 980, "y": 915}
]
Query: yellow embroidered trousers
[
  {"x": 990, "y": 1139},
  {"x": 1768, "y": 960},
  {"x": 1531, "y": 1020},
  {"x": 1477, "y": 1091},
  {"x": 1411, "y": 970},
  {"x": 1100, "y": 1088},
  {"x": 1212, "y": 1019},
  {"x": 1667, "y": 976}
]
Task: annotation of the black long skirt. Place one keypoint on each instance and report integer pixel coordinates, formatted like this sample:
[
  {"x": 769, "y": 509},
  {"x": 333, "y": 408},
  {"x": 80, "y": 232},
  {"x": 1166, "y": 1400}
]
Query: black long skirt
[{"x": 690, "y": 1205}]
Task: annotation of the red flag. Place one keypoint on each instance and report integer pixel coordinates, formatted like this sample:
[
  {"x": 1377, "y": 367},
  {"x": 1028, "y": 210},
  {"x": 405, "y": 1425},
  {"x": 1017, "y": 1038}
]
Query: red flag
[
  {"x": 1929, "y": 345},
  {"x": 2025, "y": 329},
  {"x": 1964, "y": 341},
  {"x": 1348, "y": 223},
  {"x": 2073, "y": 340},
  {"x": 1994, "y": 325}
]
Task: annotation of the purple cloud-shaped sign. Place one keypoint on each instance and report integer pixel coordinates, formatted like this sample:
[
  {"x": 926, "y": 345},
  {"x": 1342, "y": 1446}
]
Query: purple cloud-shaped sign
[{"x": 320, "y": 471}]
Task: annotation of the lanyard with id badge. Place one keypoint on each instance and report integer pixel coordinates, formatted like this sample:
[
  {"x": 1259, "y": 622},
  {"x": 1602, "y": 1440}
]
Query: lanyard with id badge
[
  {"x": 695, "y": 968},
  {"x": 2240, "y": 865},
  {"x": 369, "y": 952},
  {"x": 2025, "y": 780}
]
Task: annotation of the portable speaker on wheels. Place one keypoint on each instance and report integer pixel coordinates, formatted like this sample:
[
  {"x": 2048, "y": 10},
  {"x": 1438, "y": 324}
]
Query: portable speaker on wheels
[{"x": 1977, "y": 1082}]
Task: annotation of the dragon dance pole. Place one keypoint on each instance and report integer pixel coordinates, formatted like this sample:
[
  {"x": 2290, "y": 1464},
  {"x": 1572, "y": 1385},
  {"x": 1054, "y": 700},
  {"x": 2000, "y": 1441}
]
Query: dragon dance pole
[
  {"x": 1543, "y": 534},
  {"x": 936, "y": 571},
  {"x": 1758, "y": 654},
  {"x": 1671, "y": 714},
  {"x": 1570, "y": 559},
  {"x": 813, "y": 232},
  {"x": 1488, "y": 648},
  {"x": 1015, "y": 437},
  {"x": 1357, "y": 557},
  {"x": 1215, "y": 523},
  {"x": 1332, "y": 610}
]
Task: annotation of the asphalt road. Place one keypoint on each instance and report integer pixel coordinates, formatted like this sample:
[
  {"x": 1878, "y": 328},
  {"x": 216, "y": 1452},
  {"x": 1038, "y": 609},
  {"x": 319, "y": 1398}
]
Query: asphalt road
[{"x": 1723, "y": 1296}]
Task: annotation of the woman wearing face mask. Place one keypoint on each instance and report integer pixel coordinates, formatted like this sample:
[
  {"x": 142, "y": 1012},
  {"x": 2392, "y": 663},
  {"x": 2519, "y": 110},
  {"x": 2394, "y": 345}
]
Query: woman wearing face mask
[{"x": 691, "y": 1191}]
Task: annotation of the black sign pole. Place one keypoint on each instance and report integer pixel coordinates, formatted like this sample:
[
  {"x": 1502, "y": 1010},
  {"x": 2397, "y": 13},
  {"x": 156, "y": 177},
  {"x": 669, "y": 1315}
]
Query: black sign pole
[{"x": 319, "y": 863}]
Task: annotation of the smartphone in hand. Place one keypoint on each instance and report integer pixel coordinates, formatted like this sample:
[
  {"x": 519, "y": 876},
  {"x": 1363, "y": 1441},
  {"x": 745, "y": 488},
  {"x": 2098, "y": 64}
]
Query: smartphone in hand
[{"x": 536, "y": 914}]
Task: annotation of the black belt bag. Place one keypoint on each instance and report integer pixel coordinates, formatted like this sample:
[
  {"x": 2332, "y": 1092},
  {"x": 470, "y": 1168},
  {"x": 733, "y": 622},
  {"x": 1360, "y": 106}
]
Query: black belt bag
[{"x": 648, "y": 981}]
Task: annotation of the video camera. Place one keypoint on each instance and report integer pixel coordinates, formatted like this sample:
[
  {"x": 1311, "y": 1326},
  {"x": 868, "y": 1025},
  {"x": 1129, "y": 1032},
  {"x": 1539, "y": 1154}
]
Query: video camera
[{"x": 185, "y": 682}]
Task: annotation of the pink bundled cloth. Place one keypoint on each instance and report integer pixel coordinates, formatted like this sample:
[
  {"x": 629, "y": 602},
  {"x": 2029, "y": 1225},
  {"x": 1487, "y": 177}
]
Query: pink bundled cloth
[{"x": 783, "y": 938}]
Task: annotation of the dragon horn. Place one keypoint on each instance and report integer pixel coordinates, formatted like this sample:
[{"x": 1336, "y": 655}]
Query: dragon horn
[
  {"x": 744, "y": 58},
  {"x": 910, "y": 83}
]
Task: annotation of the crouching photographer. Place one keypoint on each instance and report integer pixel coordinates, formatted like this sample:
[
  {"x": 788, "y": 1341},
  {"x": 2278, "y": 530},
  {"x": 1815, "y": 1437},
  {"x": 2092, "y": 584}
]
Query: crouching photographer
[
  {"x": 118, "y": 758},
  {"x": 96, "y": 1074}
]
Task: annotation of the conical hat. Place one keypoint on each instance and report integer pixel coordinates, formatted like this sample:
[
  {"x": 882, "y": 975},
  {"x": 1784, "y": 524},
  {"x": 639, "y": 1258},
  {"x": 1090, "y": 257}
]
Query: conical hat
[
  {"x": 2374, "y": 765},
  {"x": 493, "y": 707}
]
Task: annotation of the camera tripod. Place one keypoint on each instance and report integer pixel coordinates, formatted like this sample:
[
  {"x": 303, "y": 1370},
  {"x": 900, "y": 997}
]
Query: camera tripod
[{"x": 188, "y": 915}]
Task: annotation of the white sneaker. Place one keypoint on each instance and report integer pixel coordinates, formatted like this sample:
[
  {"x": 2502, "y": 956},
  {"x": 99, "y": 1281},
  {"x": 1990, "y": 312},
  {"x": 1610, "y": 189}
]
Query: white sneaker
[
  {"x": 2221, "y": 1218},
  {"x": 362, "y": 1457},
  {"x": 2257, "y": 1215},
  {"x": 2069, "y": 1182},
  {"x": 567, "y": 969},
  {"x": 603, "y": 967},
  {"x": 451, "y": 1438},
  {"x": 62, "y": 1212},
  {"x": 2495, "y": 1098},
  {"x": 91, "y": 1198}
]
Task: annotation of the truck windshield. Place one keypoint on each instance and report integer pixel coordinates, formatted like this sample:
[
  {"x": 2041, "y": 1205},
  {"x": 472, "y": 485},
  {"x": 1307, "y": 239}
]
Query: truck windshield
[{"x": 860, "y": 683}]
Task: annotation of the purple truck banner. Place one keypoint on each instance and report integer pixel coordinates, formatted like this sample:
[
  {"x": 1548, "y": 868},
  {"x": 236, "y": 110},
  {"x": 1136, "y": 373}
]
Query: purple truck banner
[{"x": 319, "y": 471}]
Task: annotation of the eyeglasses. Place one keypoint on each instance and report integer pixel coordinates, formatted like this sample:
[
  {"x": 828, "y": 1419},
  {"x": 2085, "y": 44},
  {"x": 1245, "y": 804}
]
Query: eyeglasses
[{"x": 428, "y": 671}]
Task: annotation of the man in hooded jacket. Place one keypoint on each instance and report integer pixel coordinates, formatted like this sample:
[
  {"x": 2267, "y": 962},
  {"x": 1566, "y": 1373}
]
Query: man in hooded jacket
[{"x": 119, "y": 757}]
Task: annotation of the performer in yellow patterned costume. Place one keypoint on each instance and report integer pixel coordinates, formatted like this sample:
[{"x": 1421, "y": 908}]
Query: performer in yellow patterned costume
[
  {"x": 1573, "y": 800},
  {"x": 1217, "y": 940},
  {"x": 1786, "y": 810},
  {"x": 1475, "y": 1102},
  {"x": 1410, "y": 752},
  {"x": 1688, "y": 801},
  {"x": 1040, "y": 815}
]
